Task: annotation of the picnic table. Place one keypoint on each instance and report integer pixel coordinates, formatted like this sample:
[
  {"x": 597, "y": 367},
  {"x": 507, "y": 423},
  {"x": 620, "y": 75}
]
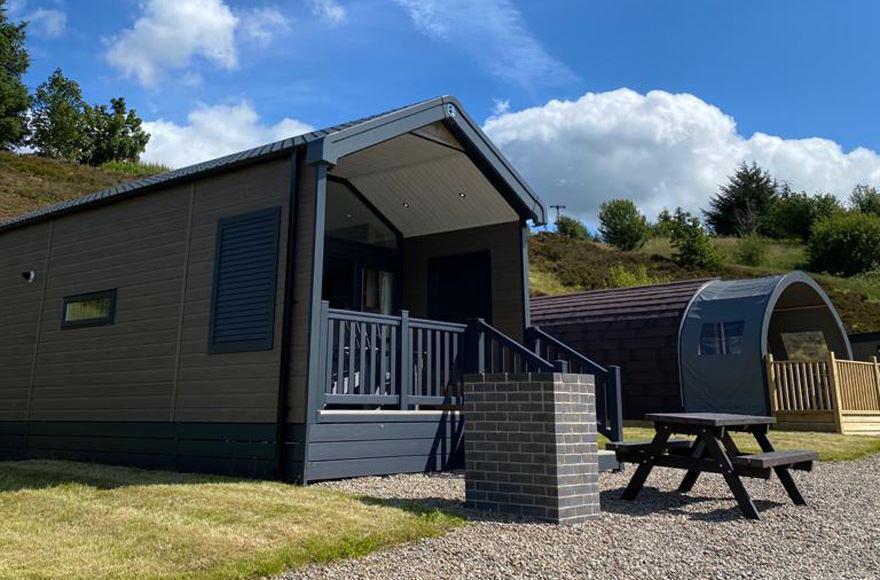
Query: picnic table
[{"x": 713, "y": 450}]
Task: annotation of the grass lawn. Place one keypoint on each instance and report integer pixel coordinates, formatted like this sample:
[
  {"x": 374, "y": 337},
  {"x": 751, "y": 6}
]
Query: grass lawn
[
  {"x": 76, "y": 520},
  {"x": 831, "y": 446}
]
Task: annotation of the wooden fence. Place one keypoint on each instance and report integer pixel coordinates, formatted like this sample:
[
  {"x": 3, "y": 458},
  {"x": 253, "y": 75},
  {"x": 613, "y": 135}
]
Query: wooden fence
[{"x": 826, "y": 395}]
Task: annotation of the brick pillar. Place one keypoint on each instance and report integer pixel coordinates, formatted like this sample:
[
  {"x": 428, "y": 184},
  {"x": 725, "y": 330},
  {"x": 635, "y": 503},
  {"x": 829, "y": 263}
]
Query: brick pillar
[{"x": 530, "y": 445}]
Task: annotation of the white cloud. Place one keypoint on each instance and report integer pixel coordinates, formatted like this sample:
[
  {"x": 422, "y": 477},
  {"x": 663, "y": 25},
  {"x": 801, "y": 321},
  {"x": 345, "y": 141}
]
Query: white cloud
[
  {"x": 493, "y": 32},
  {"x": 330, "y": 11},
  {"x": 47, "y": 22},
  {"x": 263, "y": 24},
  {"x": 660, "y": 150},
  {"x": 214, "y": 131},
  {"x": 501, "y": 106}
]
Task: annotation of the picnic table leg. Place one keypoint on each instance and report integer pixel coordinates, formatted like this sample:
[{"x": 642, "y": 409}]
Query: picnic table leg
[
  {"x": 690, "y": 478},
  {"x": 782, "y": 473},
  {"x": 733, "y": 481},
  {"x": 654, "y": 451}
]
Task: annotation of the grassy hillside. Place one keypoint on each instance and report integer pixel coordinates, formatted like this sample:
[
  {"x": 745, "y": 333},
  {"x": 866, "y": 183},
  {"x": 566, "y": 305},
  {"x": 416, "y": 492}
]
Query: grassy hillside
[
  {"x": 28, "y": 182},
  {"x": 561, "y": 265}
]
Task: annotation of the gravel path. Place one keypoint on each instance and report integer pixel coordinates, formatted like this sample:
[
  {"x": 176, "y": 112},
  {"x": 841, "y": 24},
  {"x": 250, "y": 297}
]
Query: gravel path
[{"x": 663, "y": 535}]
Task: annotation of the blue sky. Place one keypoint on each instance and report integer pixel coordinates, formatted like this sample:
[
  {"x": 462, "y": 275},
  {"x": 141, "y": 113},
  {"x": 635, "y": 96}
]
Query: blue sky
[{"x": 654, "y": 100}]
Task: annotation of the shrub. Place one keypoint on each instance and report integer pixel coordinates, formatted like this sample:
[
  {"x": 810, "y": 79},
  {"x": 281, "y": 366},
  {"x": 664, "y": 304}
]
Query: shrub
[
  {"x": 751, "y": 251},
  {"x": 570, "y": 227},
  {"x": 621, "y": 277},
  {"x": 845, "y": 244},
  {"x": 793, "y": 215},
  {"x": 693, "y": 247},
  {"x": 865, "y": 199},
  {"x": 622, "y": 226}
]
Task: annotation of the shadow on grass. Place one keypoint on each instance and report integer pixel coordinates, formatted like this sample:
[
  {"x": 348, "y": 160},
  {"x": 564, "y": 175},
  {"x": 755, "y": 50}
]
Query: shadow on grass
[
  {"x": 655, "y": 501},
  {"x": 39, "y": 474}
]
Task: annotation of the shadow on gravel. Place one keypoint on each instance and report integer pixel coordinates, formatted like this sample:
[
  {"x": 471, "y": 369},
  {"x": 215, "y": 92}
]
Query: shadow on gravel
[{"x": 654, "y": 501}]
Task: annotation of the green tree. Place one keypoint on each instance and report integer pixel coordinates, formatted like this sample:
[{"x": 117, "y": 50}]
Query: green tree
[
  {"x": 662, "y": 228},
  {"x": 113, "y": 134},
  {"x": 794, "y": 214},
  {"x": 57, "y": 119},
  {"x": 622, "y": 226},
  {"x": 693, "y": 247},
  {"x": 740, "y": 208},
  {"x": 14, "y": 99},
  {"x": 866, "y": 199},
  {"x": 845, "y": 244},
  {"x": 573, "y": 228}
]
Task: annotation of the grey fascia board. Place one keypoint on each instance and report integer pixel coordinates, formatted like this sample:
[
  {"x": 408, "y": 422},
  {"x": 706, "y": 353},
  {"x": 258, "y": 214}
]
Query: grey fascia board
[
  {"x": 330, "y": 148},
  {"x": 501, "y": 165}
]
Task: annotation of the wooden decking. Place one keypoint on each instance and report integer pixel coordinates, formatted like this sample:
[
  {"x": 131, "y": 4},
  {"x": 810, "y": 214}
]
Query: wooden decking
[{"x": 841, "y": 396}]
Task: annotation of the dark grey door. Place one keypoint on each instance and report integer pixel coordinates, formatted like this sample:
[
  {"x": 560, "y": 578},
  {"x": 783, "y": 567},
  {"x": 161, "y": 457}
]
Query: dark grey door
[{"x": 460, "y": 287}]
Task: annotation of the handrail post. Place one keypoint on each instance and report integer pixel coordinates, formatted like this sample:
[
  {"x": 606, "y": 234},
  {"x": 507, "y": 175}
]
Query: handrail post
[
  {"x": 406, "y": 360},
  {"x": 836, "y": 401},
  {"x": 560, "y": 366},
  {"x": 324, "y": 353},
  {"x": 614, "y": 402},
  {"x": 771, "y": 382},
  {"x": 876, "y": 370},
  {"x": 475, "y": 339}
]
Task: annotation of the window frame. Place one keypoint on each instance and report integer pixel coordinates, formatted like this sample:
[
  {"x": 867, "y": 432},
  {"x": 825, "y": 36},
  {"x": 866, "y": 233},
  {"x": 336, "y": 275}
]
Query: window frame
[
  {"x": 109, "y": 319},
  {"x": 721, "y": 333}
]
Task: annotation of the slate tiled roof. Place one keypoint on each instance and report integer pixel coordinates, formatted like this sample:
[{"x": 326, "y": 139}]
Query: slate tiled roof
[
  {"x": 657, "y": 300},
  {"x": 276, "y": 149}
]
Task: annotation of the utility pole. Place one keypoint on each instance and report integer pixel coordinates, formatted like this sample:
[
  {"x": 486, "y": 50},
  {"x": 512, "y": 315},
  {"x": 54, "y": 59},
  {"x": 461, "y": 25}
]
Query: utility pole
[{"x": 558, "y": 209}]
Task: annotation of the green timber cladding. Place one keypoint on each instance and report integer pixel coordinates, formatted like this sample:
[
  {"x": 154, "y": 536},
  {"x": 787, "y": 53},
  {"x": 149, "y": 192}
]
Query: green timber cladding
[{"x": 177, "y": 381}]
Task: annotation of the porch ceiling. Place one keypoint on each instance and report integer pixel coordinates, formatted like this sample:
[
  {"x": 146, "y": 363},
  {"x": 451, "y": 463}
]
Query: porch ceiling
[{"x": 417, "y": 180}]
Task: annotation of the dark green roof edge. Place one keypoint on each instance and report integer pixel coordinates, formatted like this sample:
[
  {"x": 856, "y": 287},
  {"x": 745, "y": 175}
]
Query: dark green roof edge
[{"x": 315, "y": 140}]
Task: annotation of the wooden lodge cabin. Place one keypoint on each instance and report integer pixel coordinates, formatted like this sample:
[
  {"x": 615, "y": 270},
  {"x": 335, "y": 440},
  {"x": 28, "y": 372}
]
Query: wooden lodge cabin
[{"x": 302, "y": 310}]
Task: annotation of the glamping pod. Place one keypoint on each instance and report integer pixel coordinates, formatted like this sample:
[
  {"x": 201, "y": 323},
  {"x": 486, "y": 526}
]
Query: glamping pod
[{"x": 698, "y": 345}]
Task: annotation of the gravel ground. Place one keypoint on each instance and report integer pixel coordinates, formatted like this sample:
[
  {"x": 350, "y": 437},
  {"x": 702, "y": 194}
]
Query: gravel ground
[{"x": 663, "y": 535}]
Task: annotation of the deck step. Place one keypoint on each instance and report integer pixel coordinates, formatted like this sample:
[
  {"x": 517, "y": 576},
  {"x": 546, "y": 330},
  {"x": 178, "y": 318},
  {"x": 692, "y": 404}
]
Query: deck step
[
  {"x": 796, "y": 459},
  {"x": 608, "y": 461}
]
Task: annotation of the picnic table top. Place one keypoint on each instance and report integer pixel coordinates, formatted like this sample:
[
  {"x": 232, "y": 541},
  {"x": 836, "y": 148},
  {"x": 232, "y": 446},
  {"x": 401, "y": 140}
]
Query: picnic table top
[{"x": 710, "y": 419}]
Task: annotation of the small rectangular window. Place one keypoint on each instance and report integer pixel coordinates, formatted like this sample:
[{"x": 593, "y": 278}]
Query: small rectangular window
[
  {"x": 721, "y": 338},
  {"x": 92, "y": 309}
]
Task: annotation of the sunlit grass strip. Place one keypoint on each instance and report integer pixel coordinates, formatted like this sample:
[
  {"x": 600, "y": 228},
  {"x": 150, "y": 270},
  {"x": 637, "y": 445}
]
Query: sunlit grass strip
[
  {"x": 831, "y": 446},
  {"x": 77, "y": 520}
]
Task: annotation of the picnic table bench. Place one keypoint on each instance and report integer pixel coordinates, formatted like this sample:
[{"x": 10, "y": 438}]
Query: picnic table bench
[{"x": 712, "y": 450}]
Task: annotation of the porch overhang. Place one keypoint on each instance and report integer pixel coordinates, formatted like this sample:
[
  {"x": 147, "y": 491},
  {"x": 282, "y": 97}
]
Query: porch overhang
[{"x": 333, "y": 147}]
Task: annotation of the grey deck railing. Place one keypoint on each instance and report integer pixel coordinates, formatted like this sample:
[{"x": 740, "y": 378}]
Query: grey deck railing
[
  {"x": 390, "y": 361},
  {"x": 399, "y": 362},
  {"x": 609, "y": 406}
]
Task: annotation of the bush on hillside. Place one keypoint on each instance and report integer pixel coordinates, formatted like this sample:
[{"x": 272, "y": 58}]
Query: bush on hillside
[
  {"x": 662, "y": 228},
  {"x": 693, "y": 248},
  {"x": 865, "y": 199},
  {"x": 845, "y": 244},
  {"x": 751, "y": 251},
  {"x": 793, "y": 215},
  {"x": 619, "y": 276},
  {"x": 622, "y": 226},
  {"x": 572, "y": 228}
]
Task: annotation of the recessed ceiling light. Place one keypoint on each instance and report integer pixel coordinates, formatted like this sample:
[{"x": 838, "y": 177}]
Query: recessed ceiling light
[
  {"x": 406, "y": 204},
  {"x": 462, "y": 194},
  {"x": 348, "y": 216}
]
